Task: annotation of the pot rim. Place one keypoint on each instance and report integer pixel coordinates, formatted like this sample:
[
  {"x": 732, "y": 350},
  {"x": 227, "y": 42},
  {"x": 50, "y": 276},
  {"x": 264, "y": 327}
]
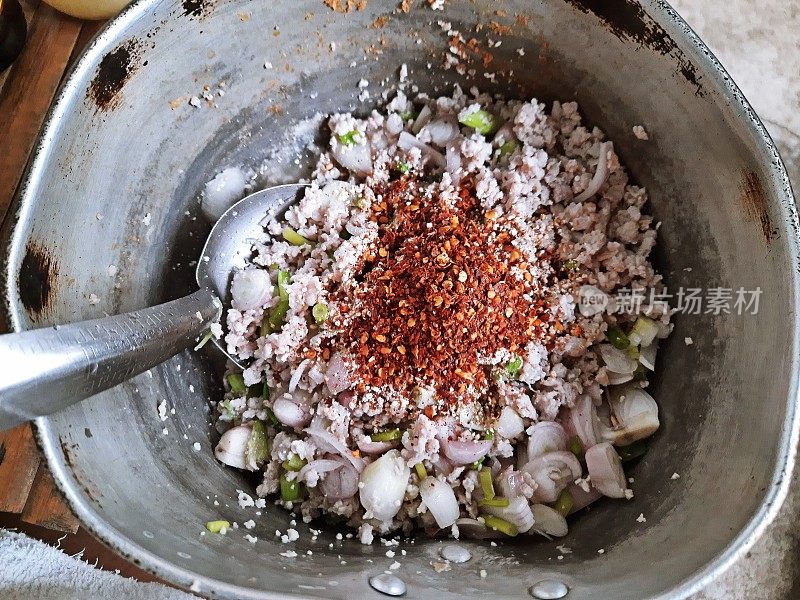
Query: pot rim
[{"x": 721, "y": 83}]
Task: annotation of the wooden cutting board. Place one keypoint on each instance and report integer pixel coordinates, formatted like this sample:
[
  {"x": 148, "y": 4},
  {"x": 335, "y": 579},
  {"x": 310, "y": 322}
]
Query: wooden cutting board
[{"x": 26, "y": 91}]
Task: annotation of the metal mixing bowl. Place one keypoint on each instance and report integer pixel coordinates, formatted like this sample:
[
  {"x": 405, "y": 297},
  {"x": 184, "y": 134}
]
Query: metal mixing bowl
[{"x": 122, "y": 142}]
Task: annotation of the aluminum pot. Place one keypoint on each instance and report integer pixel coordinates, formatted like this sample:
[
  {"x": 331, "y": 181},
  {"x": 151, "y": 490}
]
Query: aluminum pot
[{"x": 115, "y": 182}]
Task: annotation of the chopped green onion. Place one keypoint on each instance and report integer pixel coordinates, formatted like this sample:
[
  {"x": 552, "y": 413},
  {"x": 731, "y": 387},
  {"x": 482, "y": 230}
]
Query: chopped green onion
[
  {"x": 639, "y": 373},
  {"x": 349, "y": 138},
  {"x": 204, "y": 340},
  {"x": 481, "y": 121},
  {"x": 564, "y": 503},
  {"x": 273, "y": 420},
  {"x": 294, "y": 463},
  {"x": 217, "y": 526},
  {"x": 571, "y": 264},
  {"x": 284, "y": 279},
  {"x": 617, "y": 338},
  {"x": 276, "y": 316},
  {"x": 644, "y": 330},
  {"x": 265, "y": 391},
  {"x": 476, "y": 466},
  {"x": 390, "y": 435},
  {"x": 500, "y": 525},
  {"x": 403, "y": 167},
  {"x": 497, "y": 501},
  {"x": 631, "y": 451},
  {"x": 320, "y": 312},
  {"x": 486, "y": 483},
  {"x": 633, "y": 352},
  {"x": 488, "y": 434},
  {"x": 514, "y": 366},
  {"x": 290, "y": 490},
  {"x": 509, "y": 147},
  {"x": 408, "y": 115},
  {"x": 258, "y": 444},
  {"x": 575, "y": 446},
  {"x": 422, "y": 472},
  {"x": 236, "y": 383},
  {"x": 294, "y": 238}
]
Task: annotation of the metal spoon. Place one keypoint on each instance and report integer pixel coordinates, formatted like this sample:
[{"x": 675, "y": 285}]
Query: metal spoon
[{"x": 48, "y": 369}]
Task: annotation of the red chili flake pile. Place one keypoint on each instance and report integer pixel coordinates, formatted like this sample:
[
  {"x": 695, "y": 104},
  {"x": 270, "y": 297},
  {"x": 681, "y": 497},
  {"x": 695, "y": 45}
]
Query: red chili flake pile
[{"x": 440, "y": 290}]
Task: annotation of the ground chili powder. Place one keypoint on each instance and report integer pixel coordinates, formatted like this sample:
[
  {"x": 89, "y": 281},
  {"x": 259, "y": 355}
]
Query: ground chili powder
[{"x": 440, "y": 290}]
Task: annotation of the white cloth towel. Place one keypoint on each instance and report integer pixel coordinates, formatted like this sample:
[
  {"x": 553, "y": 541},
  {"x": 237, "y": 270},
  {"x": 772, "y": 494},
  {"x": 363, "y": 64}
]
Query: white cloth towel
[{"x": 32, "y": 570}]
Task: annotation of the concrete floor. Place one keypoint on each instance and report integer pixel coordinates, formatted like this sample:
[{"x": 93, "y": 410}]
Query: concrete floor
[{"x": 758, "y": 42}]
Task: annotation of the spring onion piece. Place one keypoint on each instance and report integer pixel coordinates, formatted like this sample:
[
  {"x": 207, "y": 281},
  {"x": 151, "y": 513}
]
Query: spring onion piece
[
  {"x": 320, "y": 312},
  {"x": 644, "y": 331},
  {"x": 236, "y": 383},
  {"x": 617, "y": 338},
  {"x": 294, "y": 463},
  {"x": 633, "y": 352},
  {"x": 500, "y": 525},
  {"x": 258, "y": 445},
  {"x": 631, "y": 451},
  {"x": 276, "y": 316},
  {"x": 390, "y": 435},
  {"x": 349, "y": 138},
  {"x": 497, "y": 501},
  {"x": 408, "y": 115},
  {"x": 403, "y": 167},
  {"x": 476, "y": 466},
  {"x": 639, "y": 374},
  {"x": 217, "y": 526},
  {"x": 564, "y": 503},
  {"x": 294, "y": 238},
  {"x": 486, "y": 483},
  {"x": 509, "y": 147},
  {"x": 575, "y": 446},
  {"x": 204, "y": 340},
  {"x": 514, "y": 366},
  {"x": 481, "y": 121},
  {"x": 422, "y": 472},
  {"x": 488, "y": 434},
  {"x": 265, "y": 393},
  {"x": 290, "y": 490},
  {"x": 273, "y": 420},
  {"x": 570, "y": 265}
]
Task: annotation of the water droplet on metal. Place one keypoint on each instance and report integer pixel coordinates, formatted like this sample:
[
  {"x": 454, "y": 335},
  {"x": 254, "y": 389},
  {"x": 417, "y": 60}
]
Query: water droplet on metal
[
  {"x": 455, "y": 553},
  {"x": 184, "y": 555},
  {"x": 147, "y": 534},
  {"x": 549, "y": 589},
  {"x": 391, "y": 585}
]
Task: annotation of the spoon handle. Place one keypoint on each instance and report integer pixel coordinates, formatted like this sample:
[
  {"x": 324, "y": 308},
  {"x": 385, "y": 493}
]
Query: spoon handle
[{"x": 45, "y": 370}]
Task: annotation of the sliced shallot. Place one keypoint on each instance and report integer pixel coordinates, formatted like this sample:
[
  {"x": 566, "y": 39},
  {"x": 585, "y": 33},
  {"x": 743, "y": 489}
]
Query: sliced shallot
[
  {"x": 584, "y": 421},
  {"x": 466, "y": 452},
  {"x": 382, "y": 486},
  {"x": 291, "y": 413},
  {"x": 509, "y": 424},
  {"x": 356, "y": 158},
  {"x": 408, "y": 141},
  {"x": 544, "y": 437},
  {"x": 549, "y": 522},
  {"x": 637, "y": 414},
  {"x": 616, "y": 360},
  {"x": 297, "y": 375},
  {"x": 518, "y": 512},
  {"x": 552, "y": 472},
  {"x": 600, "y": 174},
  {"x": 367, "y": 446},
  {"x": 232, "y": 446},
  {"x": 605, "y": 470},
  {"x": 340, "y": 483},
  {"x": 251, "y": 289},
  {"x": 581, "y": 498},
  {"x": 328, "y": 442},
  {"x": 337, "y": 375},
  {"x": 440, "y": 499}
]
